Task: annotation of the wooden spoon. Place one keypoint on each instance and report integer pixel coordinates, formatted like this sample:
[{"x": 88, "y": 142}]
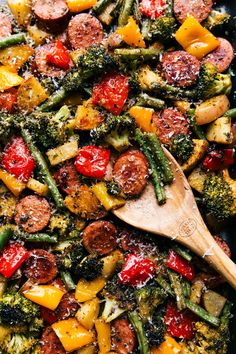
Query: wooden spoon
[{"x": 179, "y": 219}]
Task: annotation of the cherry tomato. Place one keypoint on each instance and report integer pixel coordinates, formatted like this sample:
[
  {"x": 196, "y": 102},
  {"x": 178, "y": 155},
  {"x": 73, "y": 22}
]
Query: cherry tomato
[
  {"x": 11, "y": 258},
  {"x": 217, "y": 159},
  {"x": 180, "y": 265},
  {"x": 8, "y": 100},
  {"x": 112, "y": 92},
  {"x": 92, "y": 161},
  {"x": 179, "y": 324},
  {"x": 136, "y": 270},
  {"x": 59, "y": 56},
  {"x": 152, "y": 8},
  {"x": 17, "y": 159}
]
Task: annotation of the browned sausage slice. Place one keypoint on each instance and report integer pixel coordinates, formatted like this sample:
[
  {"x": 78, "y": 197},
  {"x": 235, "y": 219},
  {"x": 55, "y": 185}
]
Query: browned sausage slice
[
  {"x": 180, "y": 68},
  {"x": 5, "y": 25},
  {"x": 131, "y": 172},
  {"x": 50, "y": 343},
  {"x": 223, "y": 245},
  {"x": 32, "y": 213},
  {"x": 51, "y": 13},
  {"x": 84, "y": 30},
  {"x": 199, "y": 9},
  {"x": 41, "y": 64},
  {"x": 67, "y": 307},
  {"x": 122, "y": 336},
  {"x": 222, "y": 56},
  {"x": 67, "y": 178},
  {"x": 170, "y": 122},
  {"x": 100, "y": 237},
  {"x": 40, "y": 267}
]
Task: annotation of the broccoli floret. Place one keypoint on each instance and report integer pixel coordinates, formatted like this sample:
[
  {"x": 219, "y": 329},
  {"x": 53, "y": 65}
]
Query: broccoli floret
[
  {"x": 115, "y": 130},
  {"x": 155, "y": 329},
  {"x": 148, "y": 298},
  {"x": 216, "y": 20},
  {"x": 18, "y": 343},
  {"x": 163, "y": 28},
  {"x": 89, "y": 268},
  {"x": 16, "y": 309},
  {"x": 111, "y": 310},
  {"x": 113, "y": 188},
  {"x": 218, "y": 196},
  {"x": 181, "y": 147},
  {"x": 49, "y": 129},
  {"x": 69, "y": 254}
]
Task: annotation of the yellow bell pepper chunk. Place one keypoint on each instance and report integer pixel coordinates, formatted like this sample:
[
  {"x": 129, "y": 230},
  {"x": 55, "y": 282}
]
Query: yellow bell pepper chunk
[
  {"x": 72, "y": 335},
  {"x": 21, "y": 10},
  {"x": 196, "y": 39},
  {"x": 37, "y": 187},
  {"x": 16, "y": 56},
  {"x": 38, "y": 35},
  {"x": 45, "y": 295},
  {"x": 108, "y": 201},
  {"x": 183, "y": 106},
  {"x": 12, "y": 183},
  {"x": 88, "y": 313},
  {"x": 103, "y": 330},
  {"x": 169, "y": 346},
  {"x": 131, "y": 34},
  {"x": 8, "y": 78},
  {"x": 87, "y": 290},
  {"x": 143, "y": 118},
  {"x": 80, "y": 5},
  {"x": 110, "y": 261}
]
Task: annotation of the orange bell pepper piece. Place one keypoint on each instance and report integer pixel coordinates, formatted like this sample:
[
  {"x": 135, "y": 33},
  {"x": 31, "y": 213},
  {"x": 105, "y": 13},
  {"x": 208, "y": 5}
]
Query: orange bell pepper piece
[
  {"x": 143, "y": 118},
  {"x": 131, "y": 34},
  {"x": 169, "y": 346}
]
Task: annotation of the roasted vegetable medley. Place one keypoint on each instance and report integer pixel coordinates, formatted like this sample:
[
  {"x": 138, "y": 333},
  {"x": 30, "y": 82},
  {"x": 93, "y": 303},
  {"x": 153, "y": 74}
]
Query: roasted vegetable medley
[{"x": 90, "y": 91}]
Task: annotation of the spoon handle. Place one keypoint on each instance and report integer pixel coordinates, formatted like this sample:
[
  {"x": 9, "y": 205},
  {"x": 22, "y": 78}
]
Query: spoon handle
[{"x": 195, "y": 235}]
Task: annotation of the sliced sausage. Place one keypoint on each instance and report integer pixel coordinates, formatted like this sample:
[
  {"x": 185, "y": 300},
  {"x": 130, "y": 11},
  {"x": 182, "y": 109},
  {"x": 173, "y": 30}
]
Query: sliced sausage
[
  {"x": 131, "y": 172},
  {"x": 67, "y": 307},
  {"x": 222, "y": 56},
  {"x": 180, "y": 68},
  {"x": 50, "y": 343},
  {"x": 168, "y": 123},
  {"x": 41, "y": 65},
  {"x": 199, "y": 9},
  {"x": 223, "y": 245},
  {"x": 40, "y": 267},
  {"x": 5, "y": 25},
  {"x": 67, "y": 178},
  {"x": 100, "y": 237},
  {"x": 84, "y": 30},
  {"x": 51, "y": 13},
  {"x": 32, "y": 213},
  {"x": 122, "y": 337}
]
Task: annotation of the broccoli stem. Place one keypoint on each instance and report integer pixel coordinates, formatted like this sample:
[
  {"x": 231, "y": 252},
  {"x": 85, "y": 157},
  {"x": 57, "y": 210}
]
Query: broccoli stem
[
  {"x": 155, "y": 174},
  {"x": 199, "y": 311},
  {"x": 125, "y": 12},
  {"x": 146, "y": 100},
  {"x": 138, "y": 328},
  {"x": 5, "y": 234},
  {"x": 68, "y": 281},
  {"x": 39, "y": 237},
  {"x": 177, "y": 287},
  {"x": 231, "y": 113},
  {"x": 100, "y": 6},
  {"x": 160, "y": 157},
  {"x": 12, "y": 40},
  {"x": 165, "y": 285},
  {"x": 183, "y": 252},
  {"x": 43, "y": 168},
  {"x": 53, "y": 100},
  {"x": 197, "y": 130},
  {"x": 135, "y": 53}
]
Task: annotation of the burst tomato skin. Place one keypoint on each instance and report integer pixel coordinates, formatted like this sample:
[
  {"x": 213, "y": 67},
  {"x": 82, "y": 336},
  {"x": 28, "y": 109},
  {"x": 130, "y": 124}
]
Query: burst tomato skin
[
  {"x": 8, "y": 100},
  {"x": 152, "y": 8},
  {"x": 180, "y": 265},
  {"x": 179, "y": 324},
  {"x": 112, "y": 92},
  {"x": 92, "y": 161},
  {"x": 17, "y": 159},
  {"x": 59, "y": 56},
  {"x": 218, "y": 159}
]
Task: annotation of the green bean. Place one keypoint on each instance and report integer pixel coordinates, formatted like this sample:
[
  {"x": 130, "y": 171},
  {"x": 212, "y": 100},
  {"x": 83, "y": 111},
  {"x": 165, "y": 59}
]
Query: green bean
[
  {"x": 146, "y": 100},
  {"x": 53, "y": 101},
  {"x": 199, "y": 311},
  {"x": 100, "y": 6},
  {"x": 160, "y": 157},
  {"x": 165, "y": 285},
  {"x": 5, "y": 234},
  {"x": 12, "y": 40},
  {"x": 197, "y": 130},
  {"x": 146, "y": 29},
  {"x": 46, "y": 175},
  {"x": 138, "y": 328},
  {"x": 38, "y": 237},
  {"x": 125, "y": 12},
  {"x": 226, "y": 314},
  {"x": 183, "y": 252},
  {"x": 135, "y": 53},
  {"x": 177, "y": 287},
  {"x": 186, "y": 288},
  {"x": 68, "y": 281},
  {"x": 155, "y": 173},
  {"x": 231, "y": 113}
]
